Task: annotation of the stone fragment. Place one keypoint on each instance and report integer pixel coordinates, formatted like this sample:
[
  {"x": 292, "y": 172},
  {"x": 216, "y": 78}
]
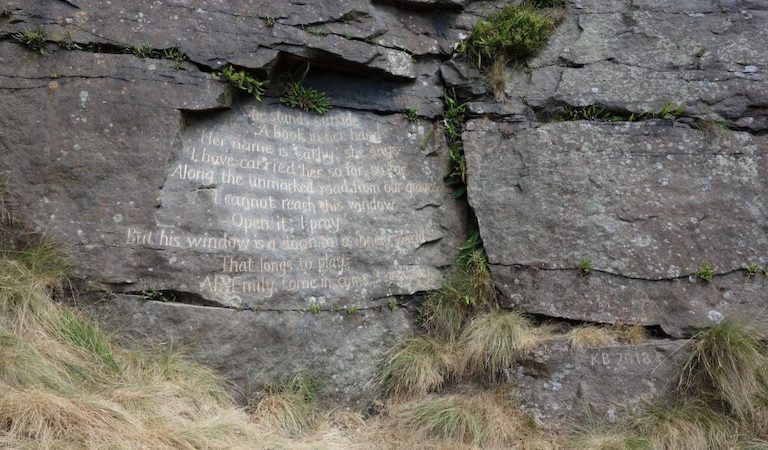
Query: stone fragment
[{"x": 560, "y": 383}]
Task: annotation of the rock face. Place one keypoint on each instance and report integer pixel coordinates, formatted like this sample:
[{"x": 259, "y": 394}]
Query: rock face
[
  {"x": 646, "y": 203},
  {"x": 559, "y": 382},
  {"x": 645, "y": 200},
  {"x": 260, "y": 225}
]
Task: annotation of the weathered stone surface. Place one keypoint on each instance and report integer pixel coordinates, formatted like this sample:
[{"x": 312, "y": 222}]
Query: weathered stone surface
[
  {"x": 642, "y": 201},
  {"x": 149, "y": 198},
  {"x": 354, "y": 34},
  {"x": 265, "y": 206},
  {"x": 267, "y": 346},
  {"x": 559, "y": 382},
  {"x": 637, "y": 56},
  {"x": 678, "y": 305}
]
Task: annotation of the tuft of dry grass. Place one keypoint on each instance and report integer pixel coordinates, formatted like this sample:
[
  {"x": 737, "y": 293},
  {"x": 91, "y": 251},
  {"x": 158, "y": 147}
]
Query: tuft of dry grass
[
  {"x": 63, "y": 384},
  {"x": 414, "y": 367},
  {"x": 497, "y": 77},
  {"x": 692, "y": 426},
  {"x": 482, "y": 419},
  {"x": 590, "y": 336},
  {"x": 729, "y": 361},
  {"x": 630, "y": 334},
  {"x": 469, "y": 288},
  {"x": 288, "y": 406},
  {"x": 494, "y": 341}
]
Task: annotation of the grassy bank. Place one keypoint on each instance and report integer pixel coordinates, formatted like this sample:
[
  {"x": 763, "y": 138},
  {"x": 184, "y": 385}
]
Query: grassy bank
[{"x": 65, "y": 384}]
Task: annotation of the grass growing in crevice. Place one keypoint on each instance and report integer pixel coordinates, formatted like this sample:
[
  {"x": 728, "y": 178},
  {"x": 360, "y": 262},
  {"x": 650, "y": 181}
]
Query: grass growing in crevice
[
  {"x": 454, "y": 113},
  {"x": 629, "y": 334},
  {"x": 34, "y": 38},
  {"x": 469, "y": 288},
  {"x": 516, "y": 32},
  {"x": 598, "y": 336},
  {"x": 497, "y": 77},
  {"x": 414, "y": 367},
  {"x": 243, "y": 81},
  {"x": 296, "y": 95},
  {"x": 590, "y": 336}
]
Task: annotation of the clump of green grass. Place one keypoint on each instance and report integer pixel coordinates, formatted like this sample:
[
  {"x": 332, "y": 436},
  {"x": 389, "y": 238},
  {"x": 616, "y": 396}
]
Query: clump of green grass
[
  {"x": 243, "y": 81},
  {"x": 84, "y": 334},
  {"x": 412, "y": 115},
  {"x": 288, "y": 405},
  {"x": 176, "y": 55},
  {"x": 517, "y": 32},
  {"x": 671, "y": 110},
  {"x": 314, "y": 308},
  {"x": 27, "y": 280},
  {"x": 143, "y": 50},
  {"x": 445, "y": 418},
  {"x": 494, "y": 341},
  {"x": 298, "y": 96},
  {"x": 34, "y": 38},
  {"x": 729, "y": 362},
  {"x": 414, "y": 367},
  {"x": 705, "y": 272},
  {"x": 752, "y": 269},
  {"x": 604, "y": 436},
  {"x": 468, "y": 287},
  {"x": 585, "y": 266}
]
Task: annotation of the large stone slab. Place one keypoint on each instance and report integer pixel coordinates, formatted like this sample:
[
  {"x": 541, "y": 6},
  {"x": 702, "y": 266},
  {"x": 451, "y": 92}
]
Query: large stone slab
[
  {"x": 268, "y": 207},
  {"x": 647, "y": 203},
  {"x": 560, "y": 383},
  {"x": 637, "y": 56},
  {"x": 252, "y": 349}
]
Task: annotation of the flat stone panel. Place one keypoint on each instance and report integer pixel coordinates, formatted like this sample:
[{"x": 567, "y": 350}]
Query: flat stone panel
[
  {"x": 642, "y": 201},
  {"x": 267, "y": 206}
]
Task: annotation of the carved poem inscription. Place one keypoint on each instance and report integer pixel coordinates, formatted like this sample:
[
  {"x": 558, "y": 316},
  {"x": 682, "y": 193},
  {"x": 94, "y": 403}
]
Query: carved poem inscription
[{"x": 264, "y": 203}]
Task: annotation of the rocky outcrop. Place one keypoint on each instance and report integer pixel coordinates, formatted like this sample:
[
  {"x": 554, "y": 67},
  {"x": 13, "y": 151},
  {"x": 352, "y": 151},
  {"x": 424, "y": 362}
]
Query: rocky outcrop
[{"x": 636, "y": 140}]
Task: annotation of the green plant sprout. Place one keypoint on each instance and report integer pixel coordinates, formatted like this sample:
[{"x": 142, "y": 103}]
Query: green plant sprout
[
  {"x": 243, "y": 81},
  {"x": 705, "y": 272},
  {"x": 585, "y": 266},
  {"x": 298, "y": 96}
]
